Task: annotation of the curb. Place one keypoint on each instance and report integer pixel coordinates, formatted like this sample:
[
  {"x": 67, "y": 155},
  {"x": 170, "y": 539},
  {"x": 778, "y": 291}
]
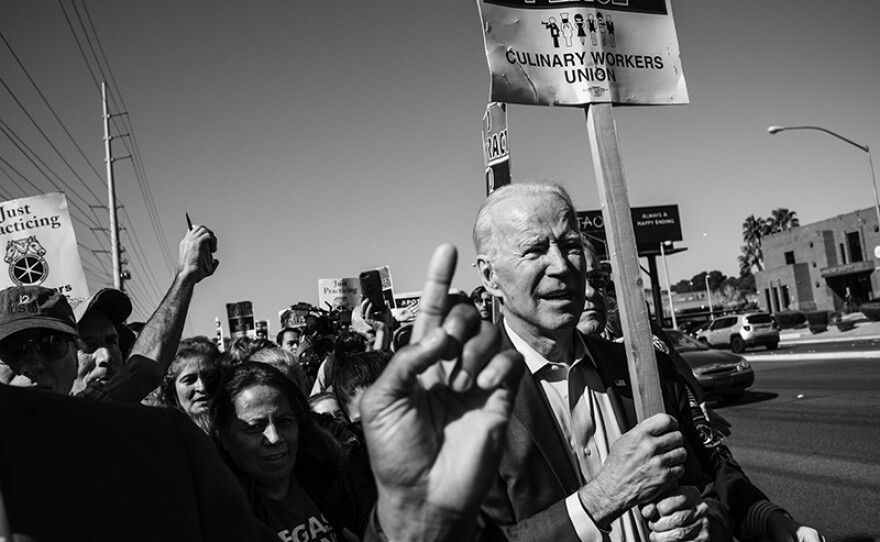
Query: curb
[{"x": 790, "y": 338}]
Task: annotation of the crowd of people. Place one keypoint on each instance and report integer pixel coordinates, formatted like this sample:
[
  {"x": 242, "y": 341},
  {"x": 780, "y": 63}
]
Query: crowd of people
[{"x": 504, "y": 415}]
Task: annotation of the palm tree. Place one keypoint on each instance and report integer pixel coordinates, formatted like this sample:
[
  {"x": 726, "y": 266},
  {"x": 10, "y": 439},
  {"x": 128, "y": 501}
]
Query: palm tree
[
  {"x": 746, "y": 261},
  {"x": 753, "y": 230},
  {"x": 782, "y": 219}
]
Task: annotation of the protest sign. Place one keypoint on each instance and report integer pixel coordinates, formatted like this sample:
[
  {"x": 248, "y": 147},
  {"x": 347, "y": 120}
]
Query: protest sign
[
  {"x": 40, "y": 246},
  {"x": 241, "y": 319},
  {"x": 339, "y": 294},
  {"x": 496, "y": 152},
  {"x": 575, "y": 52}
]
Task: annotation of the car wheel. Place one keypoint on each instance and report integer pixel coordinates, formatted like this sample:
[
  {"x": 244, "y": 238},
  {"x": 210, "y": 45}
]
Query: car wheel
[
  {"x": 733, "y": 397},
  {"x": 737, "y": 345},
  {"x": 772, "y": 346}
]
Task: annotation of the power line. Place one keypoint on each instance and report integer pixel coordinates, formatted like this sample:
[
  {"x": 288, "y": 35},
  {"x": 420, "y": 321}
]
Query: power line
[
  {"x": 139, "y": 170},
  {"x": 24, "y": 149},
  {"x": 46, "y": 137},
  {"x": 133, "y": 150},
  {"x": 133, "y": 235},
  {"x": 140, "y": 253},
  {"x": 20, "y": 188},
  {"x": 54, "y": 114},
  {"x": 79, "y": 45},
  {"x": 36, "y": 188}
]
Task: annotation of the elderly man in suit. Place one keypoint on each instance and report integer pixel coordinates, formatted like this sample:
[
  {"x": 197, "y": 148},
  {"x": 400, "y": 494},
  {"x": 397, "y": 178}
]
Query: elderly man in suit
[{"x": 577, "y": 465}]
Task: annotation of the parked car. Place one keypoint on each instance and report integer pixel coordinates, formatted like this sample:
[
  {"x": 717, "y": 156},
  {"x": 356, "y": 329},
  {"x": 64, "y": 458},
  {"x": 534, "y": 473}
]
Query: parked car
[
  {"x": 692, "y": 327},
  {"x": 741, "y": 331},
  {"x": 719, "y": 373}
]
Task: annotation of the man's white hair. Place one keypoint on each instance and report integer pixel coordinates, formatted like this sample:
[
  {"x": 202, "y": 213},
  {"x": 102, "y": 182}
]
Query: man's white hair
[{"x": 483, "y": 234}]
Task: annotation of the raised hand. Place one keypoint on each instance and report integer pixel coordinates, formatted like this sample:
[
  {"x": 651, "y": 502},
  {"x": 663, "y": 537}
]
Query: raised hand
[
  {"x": 196, "y": 254},
  {"x": 435, "y": 446}
]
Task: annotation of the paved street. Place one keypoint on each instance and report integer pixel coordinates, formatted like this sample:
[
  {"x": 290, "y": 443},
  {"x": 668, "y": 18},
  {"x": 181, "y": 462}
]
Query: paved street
[{"x": 808, "y": 434}]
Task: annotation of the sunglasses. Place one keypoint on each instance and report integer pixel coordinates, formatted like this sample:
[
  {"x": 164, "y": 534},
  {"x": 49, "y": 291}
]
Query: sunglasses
[
  {"x": 50, "y": 347},
  {"x": 599, "y": 280}
]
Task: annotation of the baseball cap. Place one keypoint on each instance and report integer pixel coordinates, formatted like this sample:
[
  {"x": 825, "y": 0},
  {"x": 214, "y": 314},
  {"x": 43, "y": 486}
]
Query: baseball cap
[
  {"x": 29, "y": 307},
  {"x": 113, "y": 303}
]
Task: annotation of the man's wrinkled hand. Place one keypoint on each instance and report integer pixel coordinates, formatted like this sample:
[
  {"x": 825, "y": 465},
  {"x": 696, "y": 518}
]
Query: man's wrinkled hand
[
  {"x": 641, "y": 464},
  {"x": 435, "y": 442},
  {"x": 682, "y": 515}
]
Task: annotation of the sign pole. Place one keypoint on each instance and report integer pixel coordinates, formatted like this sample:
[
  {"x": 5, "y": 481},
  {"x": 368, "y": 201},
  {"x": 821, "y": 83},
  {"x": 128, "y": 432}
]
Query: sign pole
[
  {"x": 668, "y": 287},
  {"x": 496, "y": 155},
  {"x": 622, "y": 252}
]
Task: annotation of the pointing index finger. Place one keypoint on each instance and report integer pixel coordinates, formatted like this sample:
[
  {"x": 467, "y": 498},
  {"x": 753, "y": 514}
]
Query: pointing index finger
[{"x": 433, "y": 302}]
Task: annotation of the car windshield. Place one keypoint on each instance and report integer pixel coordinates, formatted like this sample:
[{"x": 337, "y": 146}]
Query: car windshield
[
  {"x": 682, "y": 342},
  {"x": 759, "y": 319}
]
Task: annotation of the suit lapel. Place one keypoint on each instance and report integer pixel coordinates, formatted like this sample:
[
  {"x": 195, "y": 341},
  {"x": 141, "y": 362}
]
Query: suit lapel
[{"x": 533, "y": 412}]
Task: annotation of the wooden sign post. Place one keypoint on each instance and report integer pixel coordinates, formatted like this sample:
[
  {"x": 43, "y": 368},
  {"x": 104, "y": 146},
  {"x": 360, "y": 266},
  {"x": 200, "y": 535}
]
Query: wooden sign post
[{"x": 623, "y": 253}]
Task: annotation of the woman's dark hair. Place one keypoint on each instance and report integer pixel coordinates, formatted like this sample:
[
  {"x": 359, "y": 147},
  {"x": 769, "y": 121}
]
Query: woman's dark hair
[
  {"x": 189, "y": 348},
  {"x": 348, "y": 343},
  {"x": 317, "y": 456},
  {"x": 357, "y": 371}
]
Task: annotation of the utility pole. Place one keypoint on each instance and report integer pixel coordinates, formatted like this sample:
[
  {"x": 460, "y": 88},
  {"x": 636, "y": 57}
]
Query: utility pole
[{"x": 111, "y": 196}]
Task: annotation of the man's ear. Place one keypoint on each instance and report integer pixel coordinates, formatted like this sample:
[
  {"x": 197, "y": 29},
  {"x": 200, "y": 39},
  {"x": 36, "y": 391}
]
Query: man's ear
[{"x": 487, "y": 275}]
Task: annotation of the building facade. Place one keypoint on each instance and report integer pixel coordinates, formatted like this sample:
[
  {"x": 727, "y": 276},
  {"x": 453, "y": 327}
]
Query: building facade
[{"x": 821, "y": 266}]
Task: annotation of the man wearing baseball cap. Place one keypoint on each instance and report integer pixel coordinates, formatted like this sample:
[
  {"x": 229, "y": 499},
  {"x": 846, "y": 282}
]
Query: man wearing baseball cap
[
  {"x": 37, "y": 339},
  {"x": 99, "y": 355}
]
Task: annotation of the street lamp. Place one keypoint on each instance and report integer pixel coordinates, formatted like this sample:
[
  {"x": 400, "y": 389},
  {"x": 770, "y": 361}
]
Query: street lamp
[{"x": 777, "y": 129}]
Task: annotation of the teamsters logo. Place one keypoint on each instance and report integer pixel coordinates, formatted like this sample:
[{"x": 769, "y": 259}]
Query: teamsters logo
[{"x": 27, "y": 267}]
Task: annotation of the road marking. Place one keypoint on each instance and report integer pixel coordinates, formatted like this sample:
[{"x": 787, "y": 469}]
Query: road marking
[{"x": 866, "y": 354}]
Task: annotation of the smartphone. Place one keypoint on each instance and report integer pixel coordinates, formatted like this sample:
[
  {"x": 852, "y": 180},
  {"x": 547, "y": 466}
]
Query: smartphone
[{"x": 371, "y": 288}]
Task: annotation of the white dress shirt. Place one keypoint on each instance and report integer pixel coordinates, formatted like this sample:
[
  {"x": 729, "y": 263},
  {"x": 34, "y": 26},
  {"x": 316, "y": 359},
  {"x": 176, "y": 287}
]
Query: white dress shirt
[{"x": 586, "y": 421}]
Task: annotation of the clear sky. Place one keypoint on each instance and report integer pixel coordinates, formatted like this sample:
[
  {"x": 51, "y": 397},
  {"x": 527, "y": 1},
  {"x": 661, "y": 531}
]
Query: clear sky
[{"x": 319, "y": 139}]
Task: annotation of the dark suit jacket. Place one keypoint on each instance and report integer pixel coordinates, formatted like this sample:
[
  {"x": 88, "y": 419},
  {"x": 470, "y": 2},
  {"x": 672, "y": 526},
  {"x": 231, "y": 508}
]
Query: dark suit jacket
[
  {"x": 536, "y": 473},
  {"x": 73, "y": 469}
]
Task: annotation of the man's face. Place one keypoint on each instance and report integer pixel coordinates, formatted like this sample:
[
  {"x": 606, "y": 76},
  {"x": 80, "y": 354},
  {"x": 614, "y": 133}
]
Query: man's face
[
  {"x": 538, "y": 265},
  {"x": 98, "y": 350},
  {"x": 484, "y": 305},
  {"x": 38, "y": 358},
  {"x": 289, "y": 341},
  {"x": 595, "y": 313}
]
